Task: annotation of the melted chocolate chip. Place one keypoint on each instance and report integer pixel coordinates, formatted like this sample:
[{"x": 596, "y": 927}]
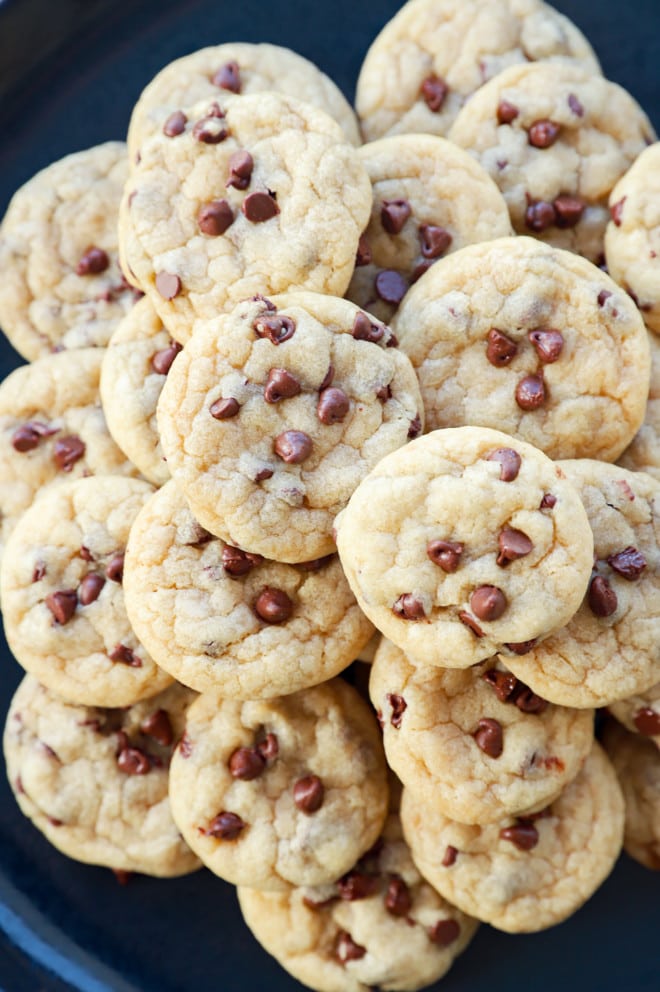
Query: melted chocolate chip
[
  {"x": 420, "y": 269},
  {"x": 263, "y": 474},
  {"x": 225, "y": 826},
  {"x": 333, "y": 405},
  {"x": 67, "y": 451},
  {"x": 504, "y": 683},
  {"x": 522, "y": 647},
  {"x": 575, "y": 105},
  {"x": 415, "y": 428},
  {"x": 365, "y": 330},
  {"x": 523, "y": 834},
  {"x": 449, "y": 857},
  {"x": 548, "y": 343},
  {"x": 363, "y": 253},
  {"x": 259, "y": 207},
  {"x": 346, "y": 949},
  {"x": 269, "y": 747},
  {"x": 488, "y": 602},
  {"x": 434, "y": 90},
  {"x": 446, "y": 554},
  {"x": 28, "y": 436},
  {"x": 224, "y": 408},
  {"x": 161, "y": 361},
  {"x": 215, "y": 218},
  {"x": 247, "y": 763},
  {"x": 616, "y": 211},
  {"x": 122, "y": 654},
  {"x": 185, "y": 746},
  {"x": 210, "y": 130},
  {"x": 543, "y": 133},
  {"x": 506, "y": 112},
  {"x": 434, "y": 240},
  {"x": 276, "y": 329},
  {"x": 158, "y": 726},
  {"x": 114, "y": 570},
  {"x": 356, "y": 885},
  {"x": 399, "y": 707},
  {"x": 489, "y": 736},
  {"x": 629, "y": 563},
  {"x": 280, "y": 385},
  {"x": 568, "y": 210},
  {"x": 94, "y": 260},
  {"x": 391, "y": 286},
  {"x": 470, "y": 622},
  {"x": 530, "y": 392},
  {"x": 500, "y": 349},
  {"x": 513, "y": 544},
  {"x": 547, "y": 502},
  {"x": 168, "y": 285},
  {"x": 228, "y": 77},
  {"x": 62, "y": 605},
  {"x": 603, "y": 296},
  {"x": 394, "y": 214},
  {"x": 39, "y": 571},
  {"x": 409, "y": 607},
  {"x": 539, "y": 216},
  {"x": 601, "y": 597},
  {"x": 175, "y": 124},
  {"x": 509, "y": 461},
  {"x": 293, "y": 447},
  {"x": 308, "y": 794},
  {"x": 133, "y": 761},
  {"x": 444, "y": 932},
  {"x": 273, "y": 605},
  {"x": 398, "y": 900},
  {"x": 527, "y": 701},
  {"x": 90, "y": 588},
  {"x": 237, "y": 562},
  {"x": 647, "y": 721},
  {"x": 241, "y": 167}
]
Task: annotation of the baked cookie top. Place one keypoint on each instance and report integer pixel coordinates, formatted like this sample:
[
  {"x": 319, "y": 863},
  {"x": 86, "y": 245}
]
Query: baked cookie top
[
  {"x": 640, "y": 714},
  {"x": 637, "y": 764},
  {"x": 280, "y": 792},
  {"x": 532, "y": 340},
  {"x": 529, "y": 873},
  {"x": 430, "y": 198},
  {"x": 462, "y": 541},
  {"x": 61, "y": 283},
  {"x": 556, "y": 139},
  {"x": 62, "y": 597},
  {"x": 247, "y": 194},
  {"x": 433, "y": 54},
  {"x": 272, "y": 414},
  {"x": 95, "y": 780},
  {"x": 220, "y": 619},
  {"x": 643, "y": 452}
]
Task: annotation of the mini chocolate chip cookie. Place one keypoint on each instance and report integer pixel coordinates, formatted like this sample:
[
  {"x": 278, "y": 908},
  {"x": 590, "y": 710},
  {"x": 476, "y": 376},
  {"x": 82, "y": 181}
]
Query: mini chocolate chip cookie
[
  {"x": 640, "y": 714},
  {"x": 637, "y": 764}
]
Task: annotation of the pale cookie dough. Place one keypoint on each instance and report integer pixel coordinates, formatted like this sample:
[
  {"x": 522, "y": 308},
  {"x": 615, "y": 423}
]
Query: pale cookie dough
[
  {"x": 52, "y": 430},
  {"x": 289, "y": 791},
  {"x": 431, "y": 57},
  {"x": 94, "y": 781},
  {"x": 532, "y": 340},
  {"x": 219, "y": 619},
  {"x": 462, "y": 542},
  {"x": 632, "y": 238},
  {"x": 643, "y": 452},
  {"x": 430, "y": 198},
  {"x": 137, "y": 360},
  {"x": 61, "y": 283},
  {"x": 62, "y": 597},
  {"x": 477, "y": 745},
  {"x": 265, "y": 198},
  {"x": 272, "y": 415},
  {"x": 556, "y": 139},
  {"x": 640, "y": 713},
  {"x": 637, "y": 763},
  {"x": 380, "y": 926},
  {"x": 237, "y": 67},
  {"x": 530, "y": 873},
  {"x": 610, "y": 649}
]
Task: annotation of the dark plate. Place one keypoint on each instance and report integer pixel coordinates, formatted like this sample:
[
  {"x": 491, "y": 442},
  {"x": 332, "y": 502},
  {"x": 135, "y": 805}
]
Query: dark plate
[{"x": 70, "y": 71}]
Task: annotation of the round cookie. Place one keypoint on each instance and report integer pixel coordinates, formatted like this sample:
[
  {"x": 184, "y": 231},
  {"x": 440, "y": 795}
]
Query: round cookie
[
  {"x": 477, "y": 744},
  {"x": 221, "y": 620},
  {"x": 530, "y": 339},
  {"x": 556, "y": 139},
  {"x": 137, "y": 360},
  {"x": 640, "y": 714},
  {"x": 610, "y": 649},
  {"x": 643, "y": 452},
  {"x": 381, "y": 925},
  {"x": 62, "y": 598},
  {"x": 429, "y": 198},
  {"x": 237, "y": 67},
  {"x": 280, "y": 792},
  {"x": 52, "y": 430},
  {"x": 267, "y": 197},
  {"x": 433, "y": 54},
  {"x": 61, "y": 283},
  {"x": 530, "y": 873},
  {"x": 637, "y": 764},
  {"x": 94, "y": 781},
  {"x": 464, "y": 541},
  {"x": 273, "y": 414},
  {"x": 632, "y": 237}
]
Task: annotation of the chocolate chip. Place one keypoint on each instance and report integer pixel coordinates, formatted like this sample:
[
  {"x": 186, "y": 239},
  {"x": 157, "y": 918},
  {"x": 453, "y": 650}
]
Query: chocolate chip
[
  {"x": 434, "y": 240},
  {"x": 363, "y": 253},
  {"x": 246, "y": 763},
  {"x": 280, "y": 385},
  {"x": 415, "y": 428},
  {"x": 94, "y": 260},
  {"x": 504, "y": 683},
  {"x": 420, "y": 269},
  {"x": 210, "y": 130},
  {"x": 293, "y": 447},
  {"x": 365, "y": 330},
  {"x": 224, "y": 408},
  {"x": 346, "y": 949},
  {"x": 391, "y": 286},
  {"x": 122, "y": 654},
  {"x": 470, "y": 622},
  {"x": 523, "y": 834},
  {"x": 133, "y": 761},
  {"x": 225, "y": 826},
  {"x": 394, "y": 214},
  {"x": 527, "y": 701},
  {"x": 506, "y": 112},
  {"x": 228, "y": 77},
  {"x": 29, "y": 435},
  {"x": 547, "y": 502},
  {"x": 356, "y": 885},
  {"x": 543, "y": 133},
  {"x": 90, "y": 588},
  {"x": 161, "y": 361},
  {"x": 488, "y": 602},
  {"x": 259, "y": 207},
  {"x": 237, "y": 562},
  {"x": 629, "y": 563},
  {"x": 333, "y": 405},
  {"x": 522, "y": 647},
  {"x": 276, "y": 329},
  {"x": 616, "y": 211},
  {"x": 398, "y": 900},
  {"x": 548, "y": 343},
  {"x": 158, "y": 726},
  {"x": 509, "y": 461},
  {"x": 315, "y": 564},
  {"x": 215, "y": 218},
  {"x": 263, "y": 474},
  {"x": 513, "y": 544},
  {"x": 168, "y": 285},
  {"x": 62, "y": 605},
  {"x": 308, "y": 793},
  {"x": 67, "y": 451},
  {"x": 399, "y": 706},
  {"x": 384, "y": 393},
  {"x": 241, "y": 167},
  {"x": 568, "y": 210},
  {"x": 327, "y": 378},
  {"x": 601, "y": 597},
  {"x": 185, "y": 746},
  {"x": 39, "y": 571},
  {"x": 175, "y": 124},
  {"x": 444, "y": 932},
  {"x": 114, "y": 570},
  {"x": 575, "y": 105},
  {"x": 489, "y": 736},
  {"x": 539, "y": 216},
  {"x": 273, "y": 605},
  {"x": 434, "y": 90},
  {"x": 409, "y": 607},
  {"x": 647, "y": 721},
  {"x": 530, "y": 392},
  {"x": 269, "y": 748},
  {"x": 500, "y": 349},
  {"x": 446, "y": 554},
  {"x": 449, "y": 857}
]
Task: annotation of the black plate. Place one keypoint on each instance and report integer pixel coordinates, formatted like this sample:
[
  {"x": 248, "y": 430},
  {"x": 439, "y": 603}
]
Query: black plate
[{"x": 70, "y": 71}]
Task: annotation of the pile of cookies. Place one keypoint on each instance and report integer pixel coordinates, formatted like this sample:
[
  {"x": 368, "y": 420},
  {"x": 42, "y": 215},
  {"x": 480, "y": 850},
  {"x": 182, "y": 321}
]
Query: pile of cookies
[{"x": 294, "y": 401}]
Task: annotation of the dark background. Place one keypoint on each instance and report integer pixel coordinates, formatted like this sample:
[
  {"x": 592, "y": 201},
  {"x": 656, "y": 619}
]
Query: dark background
[{"x": 70, "y": 72}]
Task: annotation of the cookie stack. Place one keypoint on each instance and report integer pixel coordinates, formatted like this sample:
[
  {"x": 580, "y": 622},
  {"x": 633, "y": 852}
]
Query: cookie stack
[{"x": 286, "y": 394}]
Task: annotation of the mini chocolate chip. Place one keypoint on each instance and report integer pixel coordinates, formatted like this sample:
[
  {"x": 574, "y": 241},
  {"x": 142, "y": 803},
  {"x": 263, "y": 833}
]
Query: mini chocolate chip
[
  {"x": 489, "y": 736},
  {"x": 94, "y": 260},
  {"x": 434, "y": 240},
  {"x": 86, "y": 554},
  {"x": 280, "y": 385},
  {"x": 161, "y": 361},
  {"x": 308, "y": 793},
  {"x": 543, "y": 133},
  {"x": 647, "y": 721},
  {"x": 530, "y": 392},
  {"x": 269, "y": 748},
  {"x": 215, "y": 218},
  {"x": 346, "y": 949},
  {"x": 133, "y": 761},
  {"x": 500, "y": 349},
  {"x": 504, "y": 683},
  {"x": 616, "y": 211},
  {"x": 365, "y": 330},
  {"x": 391, "y": 286},
  {"x": 603, "y": 296},
  {"x": 175, "y": 124},
  {"x": 523, "y": 834},
  {"x": 124, "y": 656},
  {"x": 259, "y": 207},
  {"x": 409, "y": 607},
  {"x": 39, "y": 571},
  {"x": 247, "y": 763},
  {"x": 168, "y": 285},
  {"x": 399, "y": 706},
  {"x": 394, "y": 214},
  {"x": 67, "y": 451},
  {"x": 62, "y": 605},
  {"x": 488, "y": 602},
  {"x": 224, "y": 408},
  {"x": 90, "y": 588},
  {"x": 333, "y": 405},
  {"x": 363, "y": 253},
  {"x": 506, "y": 112},
  {"x": 509, "y": 461},
  {"x": 444, "y": 932},
  {"x": 237, "y": 562},
  {"x": 629, "y": 563},
  {"x": 29, "y": 435},
  {"x": 470, "y": 622},
  {"x": 601, "y": 597},
  {"x": 434, "y": 90},
  {"x": 158, "y": 726},
  {"x": 225, "y": 826},
  {"x": 228, "y": 77},
  {"x": 527, "y": 701},
  {"x": 384, "y": 393},
  {"x": 548, "y": 343},
  {"x": 547, "y": 502},
  {"x": 449, "y": 857},
  {"x": 263, "y": 474},
  {"x": 522, "y": 647},
  {"x": 185, "y": 745},
  {"x": 420, "y": 269},
  {"x": 398, "y": 900},
  {"x": 293, "y": 447},
  {"x": 273, "y": 605},
  {"x": 241, "y": 167},
  {"x": 356, "y": 885},
  {"x": 575, "y": 105},
  {"x": 114, "y": 570},
  {"x": 446, "y": 554},
  {"x": 539, "y": 216},
  {"x": 415, "y": 428},
  {"x": 276, "y": 329},
  {"x": 568, "y": 210},
  {"x": 513, "y": 544},
  {"x": 327, "y": 378},
  {"x": 210, "y": 130}
]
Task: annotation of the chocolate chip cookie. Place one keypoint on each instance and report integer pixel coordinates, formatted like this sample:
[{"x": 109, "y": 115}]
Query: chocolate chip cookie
[
  {"x": 637, "y": 764},
  {"x": 643, "y": 452},
  {"x": 640, "y": 714}
]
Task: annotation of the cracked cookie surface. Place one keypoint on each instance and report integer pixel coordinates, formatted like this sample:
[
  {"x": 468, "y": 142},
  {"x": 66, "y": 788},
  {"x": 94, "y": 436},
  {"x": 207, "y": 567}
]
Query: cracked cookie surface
[{"x": 637, "y": 764}]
